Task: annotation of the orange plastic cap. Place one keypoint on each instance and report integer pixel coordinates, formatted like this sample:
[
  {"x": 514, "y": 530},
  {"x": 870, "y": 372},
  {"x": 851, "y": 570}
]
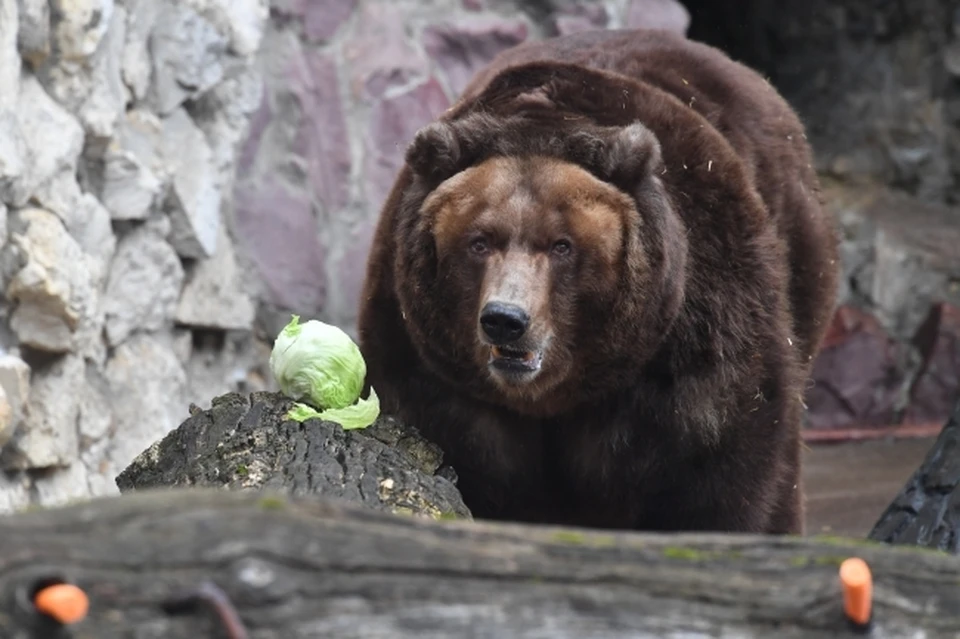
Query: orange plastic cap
[
  {"x": 64, "y": 602},
  {"x": 857, "y": 590}
]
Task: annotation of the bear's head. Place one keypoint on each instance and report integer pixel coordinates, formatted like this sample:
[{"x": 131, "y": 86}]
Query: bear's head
[{"x": 538, "y": 259}]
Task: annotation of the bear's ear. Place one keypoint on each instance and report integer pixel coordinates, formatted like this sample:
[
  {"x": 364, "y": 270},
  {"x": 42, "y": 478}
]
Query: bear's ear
[
  {"x": 626, "y": 157},
  {"x": 435, "y": 152}
]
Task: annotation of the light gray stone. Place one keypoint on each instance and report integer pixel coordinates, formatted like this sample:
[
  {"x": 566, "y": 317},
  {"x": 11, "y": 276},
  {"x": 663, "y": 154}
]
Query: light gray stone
[
  {"x": 133, "y": 170},
  {"x": 52, "y": 139},
  {"x": 85, "y": 219},
  {"x": 96, "y": 413},
  {"x": 7, "y": 420},
  {"x": 101, "y": 469},
  {"x": 214, "y": 296},
  {"x": 135, "y": 61},
  {"x": 147, "y": 386},
  {"x": 143, "y": 285},
  {"x": 14, "y": 493},
  {"x": 79, "y": 25},
  {"x": 188, "y": 54},
  {"x": 68, "y": 485},
  {"x": 9, "y": 57},
  {"x": 53, "y": 290},
  {"x": 15, "y": 382},
  {"x": 108, "y": 96},
  {"x": 92, "y": 88},
  {"x": 33, "y": 39},
  {"x": 3, "y": 225},
  {"x": 193, "y": 202},
  {"x": 223, "y": 114},
  {"x": 48, "y": 437},
  {"x": 13, "y": 149},
  {"x": 246, "y": 20}
]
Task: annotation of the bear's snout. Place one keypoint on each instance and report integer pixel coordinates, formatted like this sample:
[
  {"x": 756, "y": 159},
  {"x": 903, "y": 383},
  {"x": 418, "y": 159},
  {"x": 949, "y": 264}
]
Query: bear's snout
[{"x": 503, "y": 323}]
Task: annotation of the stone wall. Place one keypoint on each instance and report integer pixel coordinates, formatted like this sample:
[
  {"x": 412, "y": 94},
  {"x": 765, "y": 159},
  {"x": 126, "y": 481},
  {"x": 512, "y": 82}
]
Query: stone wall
[
  {"x": 877, "y": 84},
  {"x": 347, "y": 83},
  {"x": 120, "y": 126},
  {"x": 178, "y": 176}
]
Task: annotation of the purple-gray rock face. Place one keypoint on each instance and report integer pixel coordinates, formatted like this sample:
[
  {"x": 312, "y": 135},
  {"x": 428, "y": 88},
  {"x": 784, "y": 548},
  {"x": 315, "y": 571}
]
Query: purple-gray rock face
[
  {"x": 461, "y": 49},
  {"x": 658, "y": 14},
  {"x": 856, "y": 377}
]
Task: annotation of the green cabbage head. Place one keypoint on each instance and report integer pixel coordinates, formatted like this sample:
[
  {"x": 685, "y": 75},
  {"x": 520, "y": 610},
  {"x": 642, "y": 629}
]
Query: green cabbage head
[{"x": 319, "y": 366}]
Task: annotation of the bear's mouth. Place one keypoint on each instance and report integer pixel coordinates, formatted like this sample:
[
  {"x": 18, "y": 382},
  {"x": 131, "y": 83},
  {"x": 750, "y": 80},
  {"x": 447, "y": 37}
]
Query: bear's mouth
[{"x": 512, "y": 359}]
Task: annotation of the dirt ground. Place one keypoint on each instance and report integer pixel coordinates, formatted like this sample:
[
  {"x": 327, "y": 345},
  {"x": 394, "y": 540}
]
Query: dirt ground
[{"x": 848, "y": 485}]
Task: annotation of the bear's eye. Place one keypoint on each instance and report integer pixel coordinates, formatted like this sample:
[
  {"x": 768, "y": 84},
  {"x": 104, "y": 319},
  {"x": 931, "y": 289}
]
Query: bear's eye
[
  {"x": 561, "y": 247},
  {"x": 480, "y": 246}
]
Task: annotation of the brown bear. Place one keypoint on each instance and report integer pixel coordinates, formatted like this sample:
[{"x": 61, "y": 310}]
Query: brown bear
[{"x": 598, "y": 284}]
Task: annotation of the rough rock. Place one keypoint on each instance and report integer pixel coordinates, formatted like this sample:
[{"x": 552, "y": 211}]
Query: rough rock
[
  {"x": 13, "y": 149},
  {"x": 14, "y": 492},
  {"x": 48, "y": 436},
  {"x": 461, "y": 49},
  {"x": 51, "y": 140},
  {"x": 136, "y": 63},
  {"x": 15, "y": 382},
  {"x": 579, "y": 17},
  {"x": 67, "y": 485},
  {"x": 193, "y": 201},
  {"x": 393, "y": 123},
  {"x": 79, "y": 25},
  {"x": 935, "y": 390},
  {"x": 857, "y": 378},
  {"x": 7, "y": 420},
  {"x": 4, "y": 233},
  {"x": 868, "y": 81},
  {"x": 378, "y": 54},
  {"x": 214, "y": 295},
  {"x": 188, "y": 50},
  {"x": 320, "y": 18},
  {"x": 143, "y": 285},
  {"x": 33, "y": 38},
  {"x": 9, "y": 60},
  {"x": 245, "y": 442},
  {"x": 133, "y": 173},
  {"x": 898, "y": 253},
  {"x": 89, "y": 83},
  {"x": 146, "y": 385},
  {"x": 246, "y": 20},
  {"x": 53, "y": 290},
  {"x": 107, "y": 99},
  {"x": 223, "y": 115},
  {"x": 658, "y": 14},
  {"x": 85, "y": 219},
  {"x": 288, "y": 261}
]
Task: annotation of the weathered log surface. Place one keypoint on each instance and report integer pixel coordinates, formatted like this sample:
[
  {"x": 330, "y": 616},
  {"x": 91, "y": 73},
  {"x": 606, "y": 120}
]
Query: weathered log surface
[
  {"x": 245, "y": 442},
  {"x": 298, "y": 567},
  {"x": 926, "y": 512}
]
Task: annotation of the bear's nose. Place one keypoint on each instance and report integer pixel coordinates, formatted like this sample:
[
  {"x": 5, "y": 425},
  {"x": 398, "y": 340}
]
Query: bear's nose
[{"x": 503, "y": 323}]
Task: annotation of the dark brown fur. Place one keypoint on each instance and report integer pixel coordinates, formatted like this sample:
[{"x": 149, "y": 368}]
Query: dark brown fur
[{"x": 685, "y": 350}]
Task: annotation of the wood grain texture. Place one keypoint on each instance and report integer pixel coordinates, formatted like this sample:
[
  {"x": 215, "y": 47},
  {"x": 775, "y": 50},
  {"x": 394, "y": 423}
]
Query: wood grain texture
[
  {"x": 246, "y": 442},
  {"x": 298, "y": 567}
]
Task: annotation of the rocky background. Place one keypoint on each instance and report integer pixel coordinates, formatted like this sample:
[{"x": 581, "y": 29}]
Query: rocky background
[{"x": 178, "y": 176}]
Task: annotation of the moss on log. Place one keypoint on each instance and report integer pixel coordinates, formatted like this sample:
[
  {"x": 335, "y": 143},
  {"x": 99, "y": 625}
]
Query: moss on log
[
  {"x": 246, "y": 442},
  {"x": 297, "y": 567}
]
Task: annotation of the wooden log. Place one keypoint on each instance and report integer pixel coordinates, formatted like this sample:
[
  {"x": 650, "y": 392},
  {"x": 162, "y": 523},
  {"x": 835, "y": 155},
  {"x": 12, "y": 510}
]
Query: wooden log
[
  {"x": 299, "y": 567},
  {"x": 246, "y": 442},
  {"x": 926, "y": 511}
]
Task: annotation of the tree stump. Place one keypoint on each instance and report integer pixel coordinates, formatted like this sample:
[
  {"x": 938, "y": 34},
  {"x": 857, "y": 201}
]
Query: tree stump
[
  {"x": 246, "y": 442},
  {"x": 926, "y": 511}
]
